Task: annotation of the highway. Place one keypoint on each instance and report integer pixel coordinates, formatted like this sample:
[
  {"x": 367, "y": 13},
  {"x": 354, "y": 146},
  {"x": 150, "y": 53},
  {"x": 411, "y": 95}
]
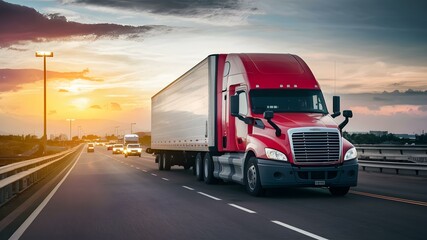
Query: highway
[{"x": 108, "y": 196}]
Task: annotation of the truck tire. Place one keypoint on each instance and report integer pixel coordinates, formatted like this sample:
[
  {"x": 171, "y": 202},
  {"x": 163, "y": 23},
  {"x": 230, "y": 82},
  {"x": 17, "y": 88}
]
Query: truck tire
[
  {"x": 339, "y": 191},
  {"x": 252, "y": 178},
  {"x": 166, "y": 161},
  {"x": 159, "y": 161},
  {"x": 199, "y": 166},
  {"x": 208, "y": 168}
]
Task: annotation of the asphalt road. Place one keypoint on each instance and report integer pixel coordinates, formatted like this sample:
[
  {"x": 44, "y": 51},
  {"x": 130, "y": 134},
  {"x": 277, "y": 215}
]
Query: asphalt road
[{"x": 107, "y": 196}]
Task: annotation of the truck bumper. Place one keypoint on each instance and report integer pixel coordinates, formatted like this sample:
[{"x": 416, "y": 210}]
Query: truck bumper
[{"x": 282, "y": 174}]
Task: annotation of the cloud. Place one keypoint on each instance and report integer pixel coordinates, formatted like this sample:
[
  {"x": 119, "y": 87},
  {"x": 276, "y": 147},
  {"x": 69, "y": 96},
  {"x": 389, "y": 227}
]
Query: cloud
[
  {"x": 19, "y": 23},
  {"x": 53, "y": 112},
  {"x": 115, "y": 106},
  {"x": 96, "y": 107},
  {"x": 184, "y": 8},
  {"x": 63, "y": 90},
  {"x": 13, "y": 79}
]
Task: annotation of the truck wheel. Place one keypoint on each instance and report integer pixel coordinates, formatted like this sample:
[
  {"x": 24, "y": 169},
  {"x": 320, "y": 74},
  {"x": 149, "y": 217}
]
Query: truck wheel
[
  {"x": 208, "y": 169},
  {"x": 199, "y": 166},
  {"x": 159, "y": 161},
  {"x": 166, "y": 161},
  {"x": 339, "y": 191},
  {"x": 252, "y": 178}
]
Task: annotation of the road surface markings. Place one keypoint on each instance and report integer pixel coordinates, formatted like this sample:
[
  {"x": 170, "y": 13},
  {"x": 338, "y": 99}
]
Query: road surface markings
[
  {"x": 144, "y": 170},
  {"x": 165, "y": 179},
  {"x": 189, "y": 188},
  {"x": 18, "y": 233},
  {"x": 394, "y": 199},
  {"x": 138, "y": 168},
  {"x": 299, "y": 230},
  {"x": 131, "y": 165},
  {"x": 154, "y": 174},
  {"x": 241, "y": 208},
  {"x": 209, "y": 196}
]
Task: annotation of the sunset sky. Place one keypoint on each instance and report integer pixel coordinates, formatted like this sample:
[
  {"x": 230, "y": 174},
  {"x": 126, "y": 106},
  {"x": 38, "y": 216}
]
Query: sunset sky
[{"x": 110, "y": 56}]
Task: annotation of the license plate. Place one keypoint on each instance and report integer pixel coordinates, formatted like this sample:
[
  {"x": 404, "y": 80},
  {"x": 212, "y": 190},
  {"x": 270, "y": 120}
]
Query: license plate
[{"x": 319, "y": 183}]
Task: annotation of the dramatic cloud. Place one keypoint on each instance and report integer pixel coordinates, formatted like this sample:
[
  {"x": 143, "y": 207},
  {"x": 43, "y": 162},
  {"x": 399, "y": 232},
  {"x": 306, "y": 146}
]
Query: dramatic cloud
[
  {"x": 63, "y": 90},
  {"x": 182, "y": 8},
  {"x": 20, "y": 23},
  {"x": 13, "y": 79},
  {"x": 115, "y": 106}
]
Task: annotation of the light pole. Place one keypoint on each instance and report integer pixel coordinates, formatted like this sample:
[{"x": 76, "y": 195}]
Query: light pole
[
  {"x": 70, "y": 119},
  {"x": 131, "y": 127},
  {"x": 44, "y": 54}
]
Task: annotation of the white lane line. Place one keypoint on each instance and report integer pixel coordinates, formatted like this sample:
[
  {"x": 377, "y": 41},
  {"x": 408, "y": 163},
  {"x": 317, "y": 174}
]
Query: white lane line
[
  {"x": 165, "y": 179},
  {"x": 241, "y": 208},
  {"x": 131, "y": 165},
  {"x": 189, "y": 188},
  {"x": 18, "y": 233},
  {"x": 299, "y": 230},
  {"x": 138, "y": 168},
  {"x": 154, "y": 174},
  {"x": 209, "y": 196},
  {"x": 144, "y": 170}
]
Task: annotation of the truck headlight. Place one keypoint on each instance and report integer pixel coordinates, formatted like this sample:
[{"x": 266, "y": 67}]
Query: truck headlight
[
  {"x": 276, "y": 155},
  {"x": 350, "y": 154}
]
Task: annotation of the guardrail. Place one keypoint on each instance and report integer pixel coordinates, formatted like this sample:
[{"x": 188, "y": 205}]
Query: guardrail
[
  {"x": 397, "y": 166},
  {"x": 16, "y": 177},
  {"x": 415, "y": 154}
]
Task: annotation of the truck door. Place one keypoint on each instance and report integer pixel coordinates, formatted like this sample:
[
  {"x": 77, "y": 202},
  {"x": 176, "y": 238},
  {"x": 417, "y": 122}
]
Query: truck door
[{"x": 242, "y": 127}]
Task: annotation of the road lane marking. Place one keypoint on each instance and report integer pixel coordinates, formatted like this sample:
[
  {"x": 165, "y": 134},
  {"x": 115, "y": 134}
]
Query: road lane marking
[
  {"x": 299, "y": 230},
  {"x": 154, "y": 174},
  {"x": 209, "y": 196},
  {"x": 165, "y": 179},
  {"x": 18, "y": 233},
  {"x": 394, "y": 199},
  {"x": 131, "y": 165},
  {"x": 241, "y": 208},
  {"x": 138, "y": 168},
  {"x": 144, "y": 170},
  {"x": 189, "y": 188}
]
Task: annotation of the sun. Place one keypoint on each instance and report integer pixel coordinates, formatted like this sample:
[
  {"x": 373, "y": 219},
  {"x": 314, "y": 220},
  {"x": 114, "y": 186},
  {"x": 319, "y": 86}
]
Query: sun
[{"x": 80, "y": 103}]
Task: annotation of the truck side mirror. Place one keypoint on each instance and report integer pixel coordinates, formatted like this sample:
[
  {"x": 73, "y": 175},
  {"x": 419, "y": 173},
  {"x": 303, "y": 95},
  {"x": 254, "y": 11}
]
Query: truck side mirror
[
  {"x": 336, "y": 106},
  {"x": 268, "y": 115},
  {"x": 347, "y": 113},
  {"x": 234, "y": 105}
]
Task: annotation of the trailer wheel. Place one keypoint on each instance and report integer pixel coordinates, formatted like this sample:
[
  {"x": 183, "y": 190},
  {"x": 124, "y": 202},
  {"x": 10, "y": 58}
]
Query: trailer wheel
[
  {"x": 339, "y": 191},
  {"x": 166, "y": 161},
  {"x": 208, "y": 169},
  {"x": 252, "y": 178},
  {"x": 159, "y": 161},
  {"x": 199, "y": 166}
]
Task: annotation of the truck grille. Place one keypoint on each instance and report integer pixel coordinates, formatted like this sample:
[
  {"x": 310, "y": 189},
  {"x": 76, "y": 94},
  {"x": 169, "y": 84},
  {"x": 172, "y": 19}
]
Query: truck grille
[{"x": 316, "y": 146}]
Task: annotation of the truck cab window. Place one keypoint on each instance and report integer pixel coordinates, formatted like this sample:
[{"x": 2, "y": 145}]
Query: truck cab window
[
  {"x": 243, "y": 104},
  {"x": 287, "y": 100}
]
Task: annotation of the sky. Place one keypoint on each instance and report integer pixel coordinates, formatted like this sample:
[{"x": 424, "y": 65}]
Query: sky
[{"x": 111, "y": 56}]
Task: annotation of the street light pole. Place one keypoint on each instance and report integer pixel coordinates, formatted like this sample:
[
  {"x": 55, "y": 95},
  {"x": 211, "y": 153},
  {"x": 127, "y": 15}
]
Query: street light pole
[
  {"x": 44, "y": 54},
  {"x": 131, "y": 127}
]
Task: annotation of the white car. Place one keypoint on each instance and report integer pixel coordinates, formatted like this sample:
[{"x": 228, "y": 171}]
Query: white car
[
  {"x": 90, "y": 147},
  {"x": 133, "y": 150},
  {"x": 117, "y": 148}
]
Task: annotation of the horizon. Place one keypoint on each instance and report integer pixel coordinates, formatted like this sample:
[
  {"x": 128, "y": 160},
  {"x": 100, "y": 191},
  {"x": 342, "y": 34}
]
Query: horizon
[{"x": 111, "y": 58}]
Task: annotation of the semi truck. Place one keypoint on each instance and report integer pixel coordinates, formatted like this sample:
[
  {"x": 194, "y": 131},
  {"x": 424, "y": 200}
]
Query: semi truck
[{"x": 256, "y": 119}]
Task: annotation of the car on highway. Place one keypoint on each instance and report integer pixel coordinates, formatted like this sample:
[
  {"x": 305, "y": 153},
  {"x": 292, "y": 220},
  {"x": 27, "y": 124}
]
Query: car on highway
[
  {"x": 132, "y": 150},
  {"x": 109, "y": 146},
  {"x": 90, "y": 147},
  {"x": 117, "y": 148}
]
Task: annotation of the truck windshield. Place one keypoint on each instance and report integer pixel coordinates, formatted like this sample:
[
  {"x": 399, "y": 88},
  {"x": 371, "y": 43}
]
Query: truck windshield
[{"x": 285, "y": 100}]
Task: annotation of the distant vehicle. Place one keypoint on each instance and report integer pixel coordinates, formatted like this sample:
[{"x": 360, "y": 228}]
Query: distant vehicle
[
  {"x": 117, "y": 148},
  {"x": 90, "y": 147},
  {"x": 109, "y": 146},
  {"x": 130, "y": 138},
  {"x": 256, "y": 119},
  {"x": 132, "y": 150}
]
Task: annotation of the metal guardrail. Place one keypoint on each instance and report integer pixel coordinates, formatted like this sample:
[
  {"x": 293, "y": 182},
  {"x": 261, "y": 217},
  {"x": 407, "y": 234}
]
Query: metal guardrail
[
  {"x": 16, "y": 177},
  {"x": 397, "y": 166},
  {"x": 415, "y": 154}
]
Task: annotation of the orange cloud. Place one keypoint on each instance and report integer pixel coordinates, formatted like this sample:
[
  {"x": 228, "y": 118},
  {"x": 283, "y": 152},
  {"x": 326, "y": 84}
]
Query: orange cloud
[{"x": 390, "y": 110}]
